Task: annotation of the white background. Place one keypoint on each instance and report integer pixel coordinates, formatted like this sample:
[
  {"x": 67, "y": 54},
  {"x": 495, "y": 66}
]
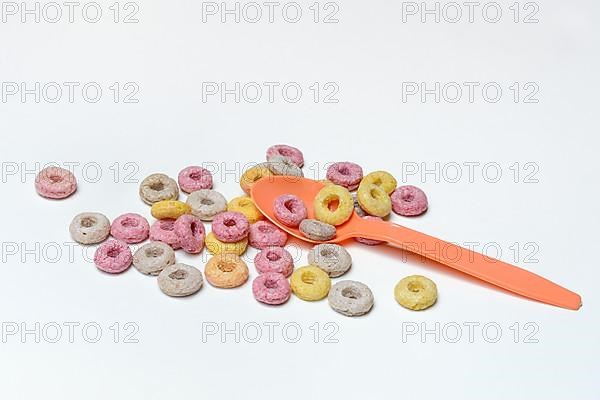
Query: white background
[{"x": 368, "y": 54}]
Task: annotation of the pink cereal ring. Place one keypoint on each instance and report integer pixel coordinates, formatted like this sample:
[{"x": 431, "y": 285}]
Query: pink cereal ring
[
  {"x": 290, "y": 210},
  {"x": 274, "y": 259},
  {"x": 291, "y": 153},
  {"x": 190, "y": 233},
  {"x": 369, "y": 242},
  {"x": 130, "y": 228},
  {"x": 346, "y": 174},
  {"x": 195, "y": 178},
  {"x": 113, "y": 256},
  {"x": 163, "y": 230},
  {"x": 55, "y": 183},
  {"x": 271, "y": 288},
  {"x": 230, "y": 226},
  {"x": 409, "y": 201},
  {"x": 265, "y": 234}
]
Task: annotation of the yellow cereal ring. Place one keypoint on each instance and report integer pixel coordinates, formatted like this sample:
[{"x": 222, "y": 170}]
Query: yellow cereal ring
[
  {"x": 415, "y": 292},
  {"x": 310, "y": 283},
  {"x": 171, "y": 209},
  {"x": 383, "y": 179},
  {"x": 374, "y": 200},
  {"x": 215, "y": 246},
  {"x": 245, "y": 205},
  {"x": 324, "y": 199},
  {"x": 252, "y": 175}
]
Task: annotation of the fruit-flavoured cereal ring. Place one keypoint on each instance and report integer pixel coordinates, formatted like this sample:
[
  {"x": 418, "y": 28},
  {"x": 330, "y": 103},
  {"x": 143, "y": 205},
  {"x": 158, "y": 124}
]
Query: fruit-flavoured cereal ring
[
  {"x": 331, "y": 258},
  {"x": 415, "y": 292},
  {"x": 194, "y": 178},
  {"x": 253, "y": 174},
  {"x": 246, "y": 206},
  {"x": 163, "y": 230},
  {"x": 409, "y": 201},
  {"x": 55, "y": 183},
  {"x": 130, "y": 228},
  {"x": 369, "y": 242},
  {"x": 274, "y": 259},
  {"x": 113, "y": 256},
  {"x": 157, "y": 187},
  {"x": 317, "y": 230},
  {"x": 350, "y": 298},
  {"x": 374, "y": 200},
  {"x": 292, "y": 153},
  {"x": 383, "y": 179},
  {"x": 153, "y": 257},
  {"x": 190, "y": 233},
  {"x": 310, "y": 283},
  {"x": 180, "y": 280},
  {"x": 169, "y": 209},
  {"x": 346, "y": 174},
  {"x": 215, "y": 246},
  {"x": 206, "y": 203},
  {"x": 230, "y": 226},
  {"x": 280, "y": 165},
  {"x": 290, "y": 210},
  {"x": 333, "y": 205},
  {"x": 265, "y": 234},
  {"x": 89, "y": 228},
  {"x": 226, "y": 270},
  {"x": 271, "y": 288}
]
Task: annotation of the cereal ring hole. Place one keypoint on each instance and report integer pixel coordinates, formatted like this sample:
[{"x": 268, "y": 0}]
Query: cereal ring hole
[
  {"x": 226, "y": 266},
  {"x": 333, "y": 204},
  {"x": 271, "y": 284},
  {"x": 157, "y": 186},
  {"x": 308, "y": 277},
  {"x": 207, "y": 202},
  {"x": 130, "y": 222},
  {"x": 229, "y": 222},
  {"x": 408, "y": 197},
  {"x": 55, "y": 178},
  {"x": 415, "y": 287},
  {"x": 88, "y": 222},
  {"x": 344, "y": 170},
  {"x": 196, "y": 175},
  {"x": 377, "y": 182},
  {"x": 284, "y": 152},
  {"x": 328, "y": 252},
  {"x": 244, "y": 203},
  {"x": 154, "y": 252},
  {"x": 376, "y": 194},
  {"x": 351, "y": 293},
  {"x": 266, "y": 229},
  {"x": 113, "y": 253},
  {"x": 178, "y": 275},
  {"x": 273, "y": 256}
]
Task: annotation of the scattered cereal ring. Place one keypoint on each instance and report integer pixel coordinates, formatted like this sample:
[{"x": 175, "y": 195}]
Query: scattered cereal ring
[
  {"x": 153, "y": 257},
  {"x": 317, "y": 230},
  {"x": 180, "y": 280},
  {"x": 169, "y": 209},
  {"x": 271, "y": 288},
  {"x": 331, "y": 258},
  {"x": 369, "y": 242},
  {"x": 254, "y": 174},
  {"x": 55, "y": 183},
  {"x": 163, "y": 230},
  {"x": 346, "y": 174},
  {"x": 350, "y": 298},
  {"x": 383, "y": 179},
  {"x": 357, "y": 208},
  {"x": 310, "y": 283},
  {"x": 113, "y": 256},
  {"x": 215, "y": 246},
  {"x": 194, "y": 178},
  {"x": 292, "y": 153},
  {"x": 246, "y": 206},
  {"x": 283, "y": 166},
  {"x": 130, "y": 228},
  {"x": 157, "y": 187},
  {"x": 274, "y": 259},
  {"x": 89, "y": 228},
  {"x": 206, "y": 203},
  {"x": 415, "y": 292},
  {"x": 230, "y": 226},
  {"x": 328, "y": 197},
  {"x": 226, "y": 270},
  {"x": 265, "y": 234},
  {"x": 190, "y": 233},
  {"x": 409, "y": 201},
  {"x": 290, "y": 210},
  {"x": 374, "y": 200}
]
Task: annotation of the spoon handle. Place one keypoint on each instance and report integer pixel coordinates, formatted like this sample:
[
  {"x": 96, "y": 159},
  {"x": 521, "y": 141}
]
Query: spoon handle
[{"x": 493, "y": 271}]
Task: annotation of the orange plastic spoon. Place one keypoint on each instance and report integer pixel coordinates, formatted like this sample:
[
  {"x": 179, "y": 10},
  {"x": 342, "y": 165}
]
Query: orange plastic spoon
[{"x": 494, "y": 271}]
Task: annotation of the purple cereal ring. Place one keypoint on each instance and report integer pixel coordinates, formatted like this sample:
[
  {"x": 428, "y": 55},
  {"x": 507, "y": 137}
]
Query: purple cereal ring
[
  {"x": 55, "y": 183},
  {"x": 409, "y": 201},
  {"x": 163, "y": 230},
  {"x": 290, "y": 210},
  {"x": 274, "y": 259},
  {"x": 369, "y": 242},
  {"x": 291, "y": 153},
  {"x": 194, "y": 178},
  {"x": 230, "y": 226},
  {"x": 265, "y": 234},
  {"x": 130, "y": 228},
  {"x": 190, "y": 233},
  {"x": 113, "y": 256},
  {"x": 346, "y": 174},
  {"x": 271, "y": 288}
]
